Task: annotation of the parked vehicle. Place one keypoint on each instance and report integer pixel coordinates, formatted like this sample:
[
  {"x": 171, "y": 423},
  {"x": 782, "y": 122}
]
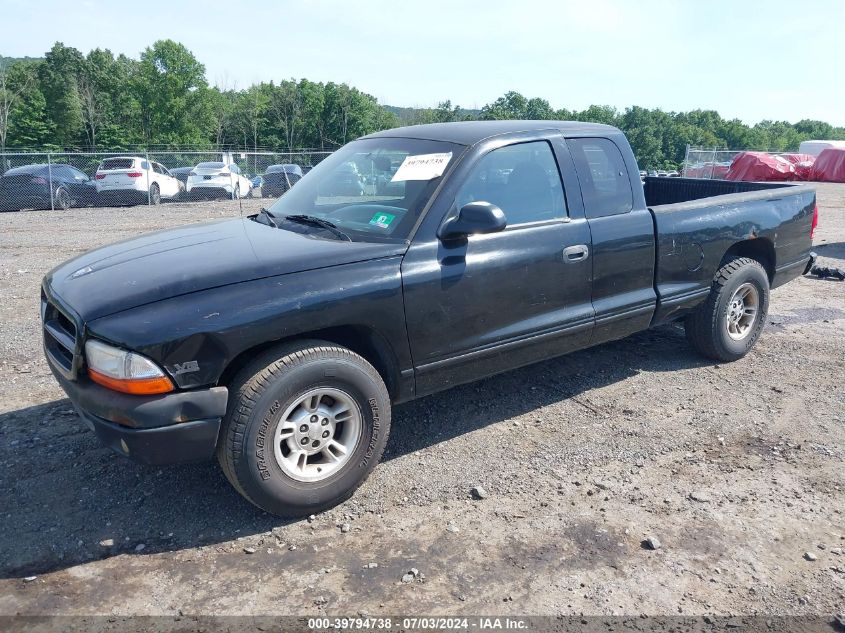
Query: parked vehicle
[
  {"x": 277, "y": 179},
  {"x": 280, "y": 342},
  {"x": 814, "y": 148},
  {"x": 30, "y": 187},
  {"x": 181, "y": 173},
  {"x": 345, "y": 181},
  {"x": 217, "y": 180},
  {"x": 134, "y": 180}
]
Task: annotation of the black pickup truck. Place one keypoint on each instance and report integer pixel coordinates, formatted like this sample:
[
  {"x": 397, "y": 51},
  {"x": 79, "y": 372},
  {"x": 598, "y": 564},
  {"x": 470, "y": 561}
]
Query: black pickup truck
[{"x": 280, "y": 341}]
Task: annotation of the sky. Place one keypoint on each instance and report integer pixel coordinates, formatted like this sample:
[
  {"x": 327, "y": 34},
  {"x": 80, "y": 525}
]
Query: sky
[{"x": 748, "y": 59}]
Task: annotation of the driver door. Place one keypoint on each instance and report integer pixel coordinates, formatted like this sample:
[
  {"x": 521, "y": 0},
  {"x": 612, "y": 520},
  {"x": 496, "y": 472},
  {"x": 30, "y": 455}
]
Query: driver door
[{"x": 487, "y": 303}]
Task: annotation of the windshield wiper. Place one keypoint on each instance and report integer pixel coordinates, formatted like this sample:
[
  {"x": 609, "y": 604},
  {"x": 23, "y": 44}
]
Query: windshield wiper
[
  {"x": 313, "y": 220},
  {"x": 265, "y": 217}
]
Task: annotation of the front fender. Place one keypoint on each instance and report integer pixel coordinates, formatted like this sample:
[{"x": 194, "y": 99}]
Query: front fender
[{"x": 195, "y": 336}]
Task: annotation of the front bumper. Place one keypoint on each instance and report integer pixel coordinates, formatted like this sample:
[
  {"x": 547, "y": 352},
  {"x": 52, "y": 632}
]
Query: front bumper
[{"x": 171, "y": 428}]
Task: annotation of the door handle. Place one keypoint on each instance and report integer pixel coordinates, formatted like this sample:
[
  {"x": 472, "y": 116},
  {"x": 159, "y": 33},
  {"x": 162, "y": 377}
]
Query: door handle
[{"x": 577, "y": 253}]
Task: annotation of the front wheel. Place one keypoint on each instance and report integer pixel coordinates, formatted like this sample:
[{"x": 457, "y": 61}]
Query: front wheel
[
  {"x": 726, "y": 326},
  {"x": 307, "y": 422}
]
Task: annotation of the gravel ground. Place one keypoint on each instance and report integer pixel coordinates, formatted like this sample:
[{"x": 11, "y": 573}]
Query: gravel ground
[{"x": 736, "y": 470}]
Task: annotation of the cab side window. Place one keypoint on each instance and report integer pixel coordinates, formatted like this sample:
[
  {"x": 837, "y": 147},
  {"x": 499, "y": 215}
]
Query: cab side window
[
  {"x": 522, "y": 180},
  {"x": 605, "y": 184}
]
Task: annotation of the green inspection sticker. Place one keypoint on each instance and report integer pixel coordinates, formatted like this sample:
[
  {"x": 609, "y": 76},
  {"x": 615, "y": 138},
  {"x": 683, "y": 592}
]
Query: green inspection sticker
[{"x": 382, "y": 220}]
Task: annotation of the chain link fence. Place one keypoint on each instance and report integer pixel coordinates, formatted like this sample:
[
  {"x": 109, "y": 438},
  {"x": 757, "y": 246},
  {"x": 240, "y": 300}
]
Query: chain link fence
[
  {"x": 61, "y": 180},
  {"x": 709, "y": 163},
  {"x": 714, "y": 163}
]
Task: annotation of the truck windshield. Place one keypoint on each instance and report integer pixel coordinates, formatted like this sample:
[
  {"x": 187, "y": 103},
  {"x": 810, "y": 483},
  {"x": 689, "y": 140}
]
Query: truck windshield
[{"x": 371, "y": 189}]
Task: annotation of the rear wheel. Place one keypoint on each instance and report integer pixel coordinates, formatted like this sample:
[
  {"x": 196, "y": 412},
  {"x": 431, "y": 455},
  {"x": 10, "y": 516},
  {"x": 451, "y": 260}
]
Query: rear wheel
[
  {"x": 237, "y": 193},
  {"x": 307, "y": 423},
  {"x": 63, "y": 200},
  {"x": 155, "y": 195},
  {"x": 726, "y": 326}
]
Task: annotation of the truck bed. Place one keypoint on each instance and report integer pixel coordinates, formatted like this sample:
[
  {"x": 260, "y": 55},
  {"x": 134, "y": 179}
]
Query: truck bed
[
  {"x": 697, "y": 222},
  {"x": 660, "y": 191}
]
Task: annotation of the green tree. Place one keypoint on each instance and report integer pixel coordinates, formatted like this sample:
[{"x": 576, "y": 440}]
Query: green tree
[
  {"x": 23, "y": 109},
  {"x": 511, "y": 105},
  {"x": 248, "y": 116},
  {"x": 110, "y": 112},
  {"x": 174, "y": 98},
  {"x": 58, "y": 77}
]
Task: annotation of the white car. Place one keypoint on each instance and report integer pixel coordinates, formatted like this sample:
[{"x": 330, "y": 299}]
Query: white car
[
  {"x": 134, "y": 179},
  {"x": 217, "y": 180}
]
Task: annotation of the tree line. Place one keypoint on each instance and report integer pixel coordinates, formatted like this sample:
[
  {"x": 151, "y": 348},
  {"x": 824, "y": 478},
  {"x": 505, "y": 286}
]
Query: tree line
[{"x": 68, "y": 100}]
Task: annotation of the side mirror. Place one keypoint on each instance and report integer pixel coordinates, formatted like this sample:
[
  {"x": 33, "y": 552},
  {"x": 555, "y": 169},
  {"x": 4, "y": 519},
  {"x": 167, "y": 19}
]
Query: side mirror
[{"x": 473, "y": 218}]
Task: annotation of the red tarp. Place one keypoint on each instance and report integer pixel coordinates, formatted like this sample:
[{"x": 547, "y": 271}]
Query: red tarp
[
  {"x": 796, "y": 159},
  {"x": 803, "y": 165},
  {"x": 757, "y": 166},
  {"x": 830, "y": 166}
]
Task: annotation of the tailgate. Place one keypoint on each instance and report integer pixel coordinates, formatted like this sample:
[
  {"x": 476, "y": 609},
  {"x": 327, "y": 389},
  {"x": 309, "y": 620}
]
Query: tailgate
[{"x": 119, "y": 179}]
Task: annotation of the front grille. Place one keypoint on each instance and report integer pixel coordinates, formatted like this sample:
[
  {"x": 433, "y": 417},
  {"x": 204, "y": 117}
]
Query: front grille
[{"x": 60, "y": 338}]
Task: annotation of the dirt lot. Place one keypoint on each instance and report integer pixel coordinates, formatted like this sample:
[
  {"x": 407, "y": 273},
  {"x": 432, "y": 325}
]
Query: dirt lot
[{"x": 737, "y": 469}]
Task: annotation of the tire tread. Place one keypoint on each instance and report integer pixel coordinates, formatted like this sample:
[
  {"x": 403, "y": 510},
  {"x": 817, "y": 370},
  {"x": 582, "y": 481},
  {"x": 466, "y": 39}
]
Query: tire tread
[
  {"x": 701, "y": 326},
  {"x": 253, "y": 379}
]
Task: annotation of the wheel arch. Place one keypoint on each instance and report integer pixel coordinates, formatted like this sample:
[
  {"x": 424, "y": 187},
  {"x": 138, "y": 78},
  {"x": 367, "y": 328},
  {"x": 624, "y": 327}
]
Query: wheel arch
[
  {"x": 363, "y": 340},
  {"x": 760, "y": 249}
]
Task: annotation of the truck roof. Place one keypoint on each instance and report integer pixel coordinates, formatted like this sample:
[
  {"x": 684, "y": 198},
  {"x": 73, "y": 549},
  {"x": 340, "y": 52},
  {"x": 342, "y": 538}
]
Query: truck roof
[{"x": 471, "y": 132}]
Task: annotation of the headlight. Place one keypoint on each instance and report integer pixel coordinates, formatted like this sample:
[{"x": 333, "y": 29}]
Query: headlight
[{"x": 124, "y": 371}]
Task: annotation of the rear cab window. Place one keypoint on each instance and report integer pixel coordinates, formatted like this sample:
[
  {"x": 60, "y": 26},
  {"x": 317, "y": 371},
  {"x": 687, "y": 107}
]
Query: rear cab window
[{"x": 605, "y": 183}]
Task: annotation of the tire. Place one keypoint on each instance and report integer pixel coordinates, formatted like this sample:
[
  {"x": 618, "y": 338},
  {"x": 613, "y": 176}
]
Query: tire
[
  {"x": 236, "y": 194},
  {"x": 155, "y": 195},
  {"x": 63, "y": 200},
  {"x": 713, "y": 329},
  {"x": 266, "y": 394}
]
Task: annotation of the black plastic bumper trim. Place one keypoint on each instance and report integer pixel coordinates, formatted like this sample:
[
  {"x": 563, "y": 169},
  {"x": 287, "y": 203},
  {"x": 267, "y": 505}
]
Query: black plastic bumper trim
[
  {"x": 143, "y": 412},
  {"x": 176, "y": 444}
]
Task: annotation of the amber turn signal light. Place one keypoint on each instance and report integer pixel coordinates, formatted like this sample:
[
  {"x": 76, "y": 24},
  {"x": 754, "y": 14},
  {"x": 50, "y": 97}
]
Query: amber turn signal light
[{"x": 135, "y": 386}]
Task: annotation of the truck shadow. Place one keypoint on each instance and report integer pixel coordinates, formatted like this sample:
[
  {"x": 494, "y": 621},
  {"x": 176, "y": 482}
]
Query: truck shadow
[
  {"x": 64, "y": 494},
  {"x": 832, "y": 250}
]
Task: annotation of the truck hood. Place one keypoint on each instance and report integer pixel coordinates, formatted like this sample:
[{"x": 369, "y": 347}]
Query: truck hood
[{"x": 178, "y": 261}]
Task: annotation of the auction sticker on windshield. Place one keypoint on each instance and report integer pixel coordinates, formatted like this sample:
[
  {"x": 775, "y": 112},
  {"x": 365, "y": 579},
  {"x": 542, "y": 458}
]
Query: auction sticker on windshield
[
  {"x": 382, "y": 220},
  {"x": 422, "y": 167}
]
